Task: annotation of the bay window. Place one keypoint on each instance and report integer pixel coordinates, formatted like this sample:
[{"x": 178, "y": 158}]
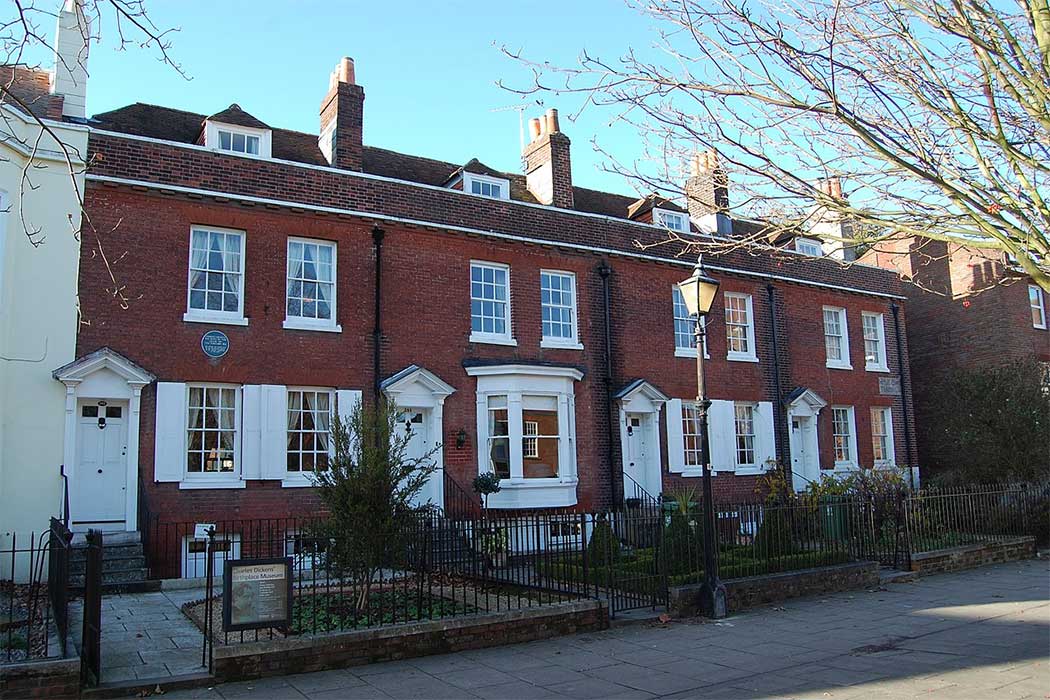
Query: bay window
[{"x": 526, "y": 427}]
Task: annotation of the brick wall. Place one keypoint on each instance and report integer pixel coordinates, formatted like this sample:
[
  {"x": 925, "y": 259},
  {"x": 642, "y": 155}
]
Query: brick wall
[
  {"x": 59, "y": 678},
  {"x": 426, "y": 321},
  {"x": 972, "y": 556}
]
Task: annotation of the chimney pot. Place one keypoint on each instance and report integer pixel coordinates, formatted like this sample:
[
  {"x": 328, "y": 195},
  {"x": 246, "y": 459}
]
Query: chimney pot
[
  {"x": 342, "y": 118},
  {"x": 535, "y": 129},
  {"x": 552, "y": 121}
]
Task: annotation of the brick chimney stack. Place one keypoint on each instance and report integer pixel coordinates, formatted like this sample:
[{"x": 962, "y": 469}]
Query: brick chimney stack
[
  {"x": 834, "y": 230},
  {"x": 548, "y": 170},
  {"x": 342, "y": 118},
  {"x": 707, "y": 194}
]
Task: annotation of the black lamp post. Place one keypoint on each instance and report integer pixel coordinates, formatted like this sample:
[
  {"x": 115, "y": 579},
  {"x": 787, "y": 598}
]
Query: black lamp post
[{"x": 698, "y": 293}]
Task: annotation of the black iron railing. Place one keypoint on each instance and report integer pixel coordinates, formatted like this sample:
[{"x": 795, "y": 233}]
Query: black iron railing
[
  {"x": 32, "y": 595},
  {"x": 59, "y": 546},
  {"x": 459, "y": 501},
  {"x": 91, "y": 637}
]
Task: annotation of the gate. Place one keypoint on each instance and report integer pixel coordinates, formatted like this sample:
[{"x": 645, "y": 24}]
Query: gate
[
  {"x": 638, "y": 529},
  {"x": 91, "y": 641}
]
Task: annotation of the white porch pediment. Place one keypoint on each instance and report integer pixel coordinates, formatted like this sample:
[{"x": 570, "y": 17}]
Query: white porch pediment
[
  {"x": 641, "y": 397},
  {"x": 805, "y": 401},
  {"x": 416, "y": 386},
  {"x": 103, "y": 359}
]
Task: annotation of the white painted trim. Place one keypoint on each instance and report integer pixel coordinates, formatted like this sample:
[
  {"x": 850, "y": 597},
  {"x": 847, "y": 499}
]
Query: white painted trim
[
  {"x": 882, "y": 365},
  {"x": 659, "y": 215},
  {"x": 844, "y": 362},
  {"x": 891, "y": 447},
  {"x": 854, "y": 462},
  {"x": 469, "y": 177},
  {"x": 203, "y": 315},
  {"x": 302, "y": 323},
  {"x": 377, "y": 216},
  {"x": 752, "y": 355},
  {"x": 493, "y": 338},
  {"x": 1041, "y": 299},
  {"x": 572, "y": 343},
  {"x": 211, "y": 138},
  {"x": 530, "y": 370}
]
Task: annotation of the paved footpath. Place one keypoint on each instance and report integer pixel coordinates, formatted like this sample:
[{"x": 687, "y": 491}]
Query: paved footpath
[{"x": 980, "y": 634}]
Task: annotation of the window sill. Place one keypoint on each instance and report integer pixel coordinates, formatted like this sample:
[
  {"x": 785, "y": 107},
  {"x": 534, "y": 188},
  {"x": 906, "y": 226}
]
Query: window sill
[
  {"x": 492, "y": 340},
  {"x": 845, "y": 467},
  {"x": 838, "y": 365},
  {"x": 297, "y": 482},
  {"x": 689, "y": 353},
  {"x": 225, "y": 483},
  {"x": 214, "y": 320},
  {"x": 695, "y": 473},
  {"x": 750, "y": 471},
  {"x": 876, "y": 368},
  {"x": 296, "y": 325},
  {"x": 535, "y": 493},
  {"x": 560, "y": 345},
  {"x": 741, "y": 358}
]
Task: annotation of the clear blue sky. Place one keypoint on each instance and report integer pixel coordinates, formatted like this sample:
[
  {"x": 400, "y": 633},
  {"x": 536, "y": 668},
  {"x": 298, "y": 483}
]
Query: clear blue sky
[{"x": 429, "y": 69}]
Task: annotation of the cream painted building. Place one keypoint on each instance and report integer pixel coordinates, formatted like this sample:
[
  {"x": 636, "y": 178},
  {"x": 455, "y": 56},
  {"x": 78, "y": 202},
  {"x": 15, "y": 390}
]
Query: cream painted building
[{"x": 40, "y": 178}]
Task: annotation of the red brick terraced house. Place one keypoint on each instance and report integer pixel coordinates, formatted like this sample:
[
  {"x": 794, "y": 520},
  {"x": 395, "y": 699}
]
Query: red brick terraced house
[{"x": 274, "y": 278}]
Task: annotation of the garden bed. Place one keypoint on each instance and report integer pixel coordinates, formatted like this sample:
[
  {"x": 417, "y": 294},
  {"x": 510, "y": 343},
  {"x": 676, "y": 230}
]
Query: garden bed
[{"x": 638, "y": 572}]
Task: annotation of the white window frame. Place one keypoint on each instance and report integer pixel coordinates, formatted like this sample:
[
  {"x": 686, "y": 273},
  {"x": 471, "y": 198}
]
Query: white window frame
[
  {"x": 890, "y": 458},
  {"x": 572, "y": 343},
  {"x": 752, "y": 410},
  {"x": 815, "y": 250},
  {"x": 852, "y": 462},
  {"x": 844, "y": 360},
  {"x": 303, "y": 323},
  {"x": 211, "y": 139},
  {"x": 507, "y": 337},
  {"x": 691, "y": 430},
  {"x": 661, "y": 216},
  {"x": 470, "y": 178},
  {"x": 1037, "y": 302},
  {"x": 515, "y": 382},
  {"x": 196, "y": 562},
  {"x": 752, "y": 354},
  {"x": 293, "y": 477},
  {"x": 879, "y": 364},
  {"x": 677, "y": 306},
  {"x": 530, "y": 446},
  {"x": 214, "y": 480},
  {"x": 233, "y": 318}
]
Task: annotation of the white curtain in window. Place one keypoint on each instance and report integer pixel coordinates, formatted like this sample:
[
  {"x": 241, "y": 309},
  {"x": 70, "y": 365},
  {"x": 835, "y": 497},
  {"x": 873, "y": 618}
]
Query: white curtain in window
[
  {"x": 198, "y": 264},
  {"x": 294, "y": 407}
]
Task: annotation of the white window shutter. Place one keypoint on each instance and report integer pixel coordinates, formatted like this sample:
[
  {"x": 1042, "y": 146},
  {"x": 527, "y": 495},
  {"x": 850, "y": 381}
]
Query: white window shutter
[
  {"x": 675, "y": 442},
  {"x": 765, "y": 435},
  {"x": 273, "y": 443},
  {"x": 346, "y": 400},
  {"x": 722, "y": 431},
  {"x": 169, "y": 454},
  {"x": 251, "y": 431}
]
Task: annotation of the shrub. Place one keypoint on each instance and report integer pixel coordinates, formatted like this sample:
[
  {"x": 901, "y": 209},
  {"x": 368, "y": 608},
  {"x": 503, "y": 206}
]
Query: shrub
[
  {"x": 774, "y": 537},
  {"x": 682, "y": 545},
  {"x": 604, "y": 547}
]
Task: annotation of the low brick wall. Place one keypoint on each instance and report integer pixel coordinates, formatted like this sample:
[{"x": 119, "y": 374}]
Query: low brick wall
[
  {"x": 972, "y": 555},
  {"x": 58, "y": 678},
  {"x": 317, "y": 653},
  {"x": 755, "y": 591}
]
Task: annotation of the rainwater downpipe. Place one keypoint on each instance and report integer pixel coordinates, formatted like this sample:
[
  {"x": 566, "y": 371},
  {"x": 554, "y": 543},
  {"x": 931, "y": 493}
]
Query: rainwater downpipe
[
  {"x": 604, "y": 271},
  {"x": 904, "y": 394},
  {"x": 377, "y": 330},
  {"x": 779, "y": 420}
]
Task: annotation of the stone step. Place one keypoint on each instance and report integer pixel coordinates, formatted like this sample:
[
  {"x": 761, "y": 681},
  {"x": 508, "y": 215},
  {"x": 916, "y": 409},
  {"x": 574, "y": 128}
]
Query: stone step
[
  {"x": 116, "y": 551},
  {"x": 136, "y": 561},
  {"x": 109, "y": 538},
  {"x": 112, "y": 578}
]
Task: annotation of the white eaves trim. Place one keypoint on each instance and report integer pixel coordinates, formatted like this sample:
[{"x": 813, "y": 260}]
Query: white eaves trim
[{"x": 377, "y": 216}]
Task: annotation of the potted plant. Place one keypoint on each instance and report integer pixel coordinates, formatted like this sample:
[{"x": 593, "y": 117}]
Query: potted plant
[{"x": 492, "y": 542}]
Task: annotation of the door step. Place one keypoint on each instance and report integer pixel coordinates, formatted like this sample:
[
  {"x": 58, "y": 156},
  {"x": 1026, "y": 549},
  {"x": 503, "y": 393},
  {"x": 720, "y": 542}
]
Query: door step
[{"x": 123, "y": 563}]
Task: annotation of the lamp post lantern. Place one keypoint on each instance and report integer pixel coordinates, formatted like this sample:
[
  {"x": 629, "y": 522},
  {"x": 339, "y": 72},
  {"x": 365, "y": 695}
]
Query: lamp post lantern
[{"x": 698, "y": 293}]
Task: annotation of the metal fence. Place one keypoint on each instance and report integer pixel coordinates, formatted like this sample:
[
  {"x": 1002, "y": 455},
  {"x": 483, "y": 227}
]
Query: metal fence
[
  {"x": 91, "y": 636},
  {"x": 27, "y": 612},
  {"x": 938, "y": 518}
]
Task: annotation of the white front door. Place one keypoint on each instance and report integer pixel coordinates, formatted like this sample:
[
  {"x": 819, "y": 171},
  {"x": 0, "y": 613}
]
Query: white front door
[
  {"x": 413, "y": 422},
  {"x": 100, "y": 472},
  {"x": 805, "y": 466},
  {"x": 638, "y": 458}
]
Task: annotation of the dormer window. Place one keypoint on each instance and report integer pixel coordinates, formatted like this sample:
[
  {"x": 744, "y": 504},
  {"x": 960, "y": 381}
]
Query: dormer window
[
  {"x": 486, "y": 186},
  {"x": 673, "y": 220},
  {"x": 808, "y": 246},
  {"x": 241, "y": 140}
]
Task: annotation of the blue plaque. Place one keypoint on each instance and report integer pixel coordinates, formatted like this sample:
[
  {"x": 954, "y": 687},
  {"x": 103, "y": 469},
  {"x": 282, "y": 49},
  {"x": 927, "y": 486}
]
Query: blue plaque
[{"x": 215, "y": 344}]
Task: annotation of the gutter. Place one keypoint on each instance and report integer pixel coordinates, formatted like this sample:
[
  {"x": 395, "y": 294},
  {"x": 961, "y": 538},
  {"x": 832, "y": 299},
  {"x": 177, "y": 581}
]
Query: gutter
[{"x": 377, "y": 330}]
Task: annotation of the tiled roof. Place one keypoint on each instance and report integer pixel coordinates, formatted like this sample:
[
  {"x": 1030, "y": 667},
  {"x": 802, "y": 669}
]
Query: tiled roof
[
  {"x": 32, "y": 88},
  {"x": 177, "y": 125}
]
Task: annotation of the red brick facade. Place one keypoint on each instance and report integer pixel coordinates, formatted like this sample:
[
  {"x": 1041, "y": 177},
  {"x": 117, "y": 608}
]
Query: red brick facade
[
  {"x": 144, "y": 195},
  {"x": 967, "y": 310}
]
